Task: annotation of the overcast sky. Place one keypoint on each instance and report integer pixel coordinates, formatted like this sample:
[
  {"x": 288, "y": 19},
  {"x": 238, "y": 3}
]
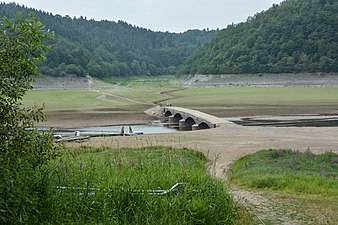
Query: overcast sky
[{"x": 157, "y": 15}]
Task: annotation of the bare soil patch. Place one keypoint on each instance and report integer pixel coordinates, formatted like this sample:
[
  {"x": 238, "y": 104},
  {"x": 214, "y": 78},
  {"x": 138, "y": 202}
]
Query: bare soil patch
[
  {"x": 268, "y": 110},
  {"x": 281, "y": 208},
  {"x": 95, "y": 117},
  {"x": 302, "y": 79}
]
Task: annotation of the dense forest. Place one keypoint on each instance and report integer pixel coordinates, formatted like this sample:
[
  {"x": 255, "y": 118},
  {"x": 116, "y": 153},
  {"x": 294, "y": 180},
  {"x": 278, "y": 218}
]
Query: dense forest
[
  {"x": 108, "y": 48},
  {"x": 294, "y": 36}
]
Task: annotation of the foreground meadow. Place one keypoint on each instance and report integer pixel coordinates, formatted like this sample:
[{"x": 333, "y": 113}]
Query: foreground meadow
[{"x": 127, "y": 186}]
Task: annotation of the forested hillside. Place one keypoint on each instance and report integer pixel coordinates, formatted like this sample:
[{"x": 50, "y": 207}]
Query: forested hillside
[
  {"x": 294, "y": 36},
  {"x": 107, "y": 48}
]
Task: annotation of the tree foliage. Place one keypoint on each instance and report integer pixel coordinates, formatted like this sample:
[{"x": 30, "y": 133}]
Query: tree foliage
[
  {"x": 23, "y": 151},
  {"x": 295, "y": 36},
  {"x": 108, "y": 48}
]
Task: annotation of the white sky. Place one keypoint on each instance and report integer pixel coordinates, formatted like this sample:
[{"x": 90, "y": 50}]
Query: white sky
[{"x": 157, "y": 15}]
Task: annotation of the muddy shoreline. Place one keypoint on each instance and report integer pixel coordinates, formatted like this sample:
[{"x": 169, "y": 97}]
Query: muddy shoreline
[{"x": 106, "y": 116}]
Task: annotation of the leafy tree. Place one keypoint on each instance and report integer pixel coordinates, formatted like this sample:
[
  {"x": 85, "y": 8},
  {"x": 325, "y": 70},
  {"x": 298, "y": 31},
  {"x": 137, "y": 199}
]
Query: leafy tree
[
  {"x": 24, "y": 151},
  {"x": 108, "y": 48},
  {"x": 75, "y": 69},
  {"x": 293, "y": 36}
]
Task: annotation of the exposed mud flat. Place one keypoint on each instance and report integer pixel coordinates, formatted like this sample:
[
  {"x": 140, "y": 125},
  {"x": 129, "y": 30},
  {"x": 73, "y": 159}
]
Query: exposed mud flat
[
  {"x": 290, "y": 121},
  {"x": 83, "y": 118},
  {"x": 303, "y": 79}
]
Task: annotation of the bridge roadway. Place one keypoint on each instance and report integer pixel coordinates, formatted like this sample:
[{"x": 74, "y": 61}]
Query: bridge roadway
[{"x": 188, "y": 119}]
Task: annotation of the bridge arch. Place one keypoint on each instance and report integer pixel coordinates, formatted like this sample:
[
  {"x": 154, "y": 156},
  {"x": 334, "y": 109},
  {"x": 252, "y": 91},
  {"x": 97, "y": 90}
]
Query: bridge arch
[
  {"x": 190, "y": 121},
  {"x": 178, "y": 117},
  {"x": 186, "y": 123},
  {"x": 167, "y": 113},
  {"x": 203, "y": 126}
]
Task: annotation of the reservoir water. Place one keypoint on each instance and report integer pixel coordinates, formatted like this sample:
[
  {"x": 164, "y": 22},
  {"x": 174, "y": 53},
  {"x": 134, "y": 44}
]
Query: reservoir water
[{"x": 155, "y": 128}]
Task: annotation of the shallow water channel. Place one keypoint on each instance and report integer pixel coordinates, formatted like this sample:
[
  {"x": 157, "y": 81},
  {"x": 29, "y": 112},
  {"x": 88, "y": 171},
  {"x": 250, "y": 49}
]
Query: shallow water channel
[{"x": 156, "y": 127}]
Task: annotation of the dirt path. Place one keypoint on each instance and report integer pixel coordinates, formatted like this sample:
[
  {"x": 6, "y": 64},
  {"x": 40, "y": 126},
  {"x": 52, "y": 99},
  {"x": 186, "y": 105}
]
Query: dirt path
[
  {"x": 104, "y": 94},
  {"x": 267, "y": 210},
  {"x": 168, "y": 95}
]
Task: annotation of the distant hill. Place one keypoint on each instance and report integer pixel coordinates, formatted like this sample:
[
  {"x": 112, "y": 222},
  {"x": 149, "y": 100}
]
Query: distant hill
[
  {"x": 294, "y": 36},
  {"x": 107, "y": 48}
]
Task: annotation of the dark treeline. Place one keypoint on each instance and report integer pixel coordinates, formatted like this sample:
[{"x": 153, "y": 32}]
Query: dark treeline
[
  {"x": 107, "y": 48},
  {"x": 294, "y": 36}
]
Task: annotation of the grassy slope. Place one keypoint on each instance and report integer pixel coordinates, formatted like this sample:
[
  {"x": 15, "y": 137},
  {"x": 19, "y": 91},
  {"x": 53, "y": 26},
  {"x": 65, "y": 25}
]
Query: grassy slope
[
  {"x": 289, "y": 171},
  {"x": 119, "y": 173},
  {"x": 143, "y": 89},
  {"x": 304, "y": 182},
  {"x": 149, "y": 90},
  {"x": 64, "y": 99}
]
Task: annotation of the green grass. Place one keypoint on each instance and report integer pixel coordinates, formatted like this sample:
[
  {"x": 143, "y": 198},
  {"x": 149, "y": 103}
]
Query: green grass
[
  {"x": 63, "y": 99},
  {"x": 288, "y": 171},
  {"x": 69, "y": 99},
  {"x": 122, "y": 174},
  {"x": 216, "y": 96},
  {"x": 143, "y": 89},
  {"x": 148, "y": 89},
  {"x": 141, "y": 82}
]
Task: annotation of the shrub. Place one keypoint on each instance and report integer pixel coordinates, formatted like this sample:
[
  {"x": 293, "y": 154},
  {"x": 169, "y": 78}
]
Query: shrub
[{"x": 24, "y": 152}]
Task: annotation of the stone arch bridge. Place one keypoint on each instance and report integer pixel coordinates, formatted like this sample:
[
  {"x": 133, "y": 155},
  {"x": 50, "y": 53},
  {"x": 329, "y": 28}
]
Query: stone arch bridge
[{"x": 188, "y": 119}]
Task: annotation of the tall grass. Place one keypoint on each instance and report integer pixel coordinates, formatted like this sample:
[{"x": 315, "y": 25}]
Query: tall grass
[
  {"x": 107, "y": 186},
  {"x": 287, "y": 170}
]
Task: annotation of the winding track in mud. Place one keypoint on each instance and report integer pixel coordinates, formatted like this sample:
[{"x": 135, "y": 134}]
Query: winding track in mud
[
  {"x": 168, "y": 95},
  {"x": 104, "y": 94}
]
